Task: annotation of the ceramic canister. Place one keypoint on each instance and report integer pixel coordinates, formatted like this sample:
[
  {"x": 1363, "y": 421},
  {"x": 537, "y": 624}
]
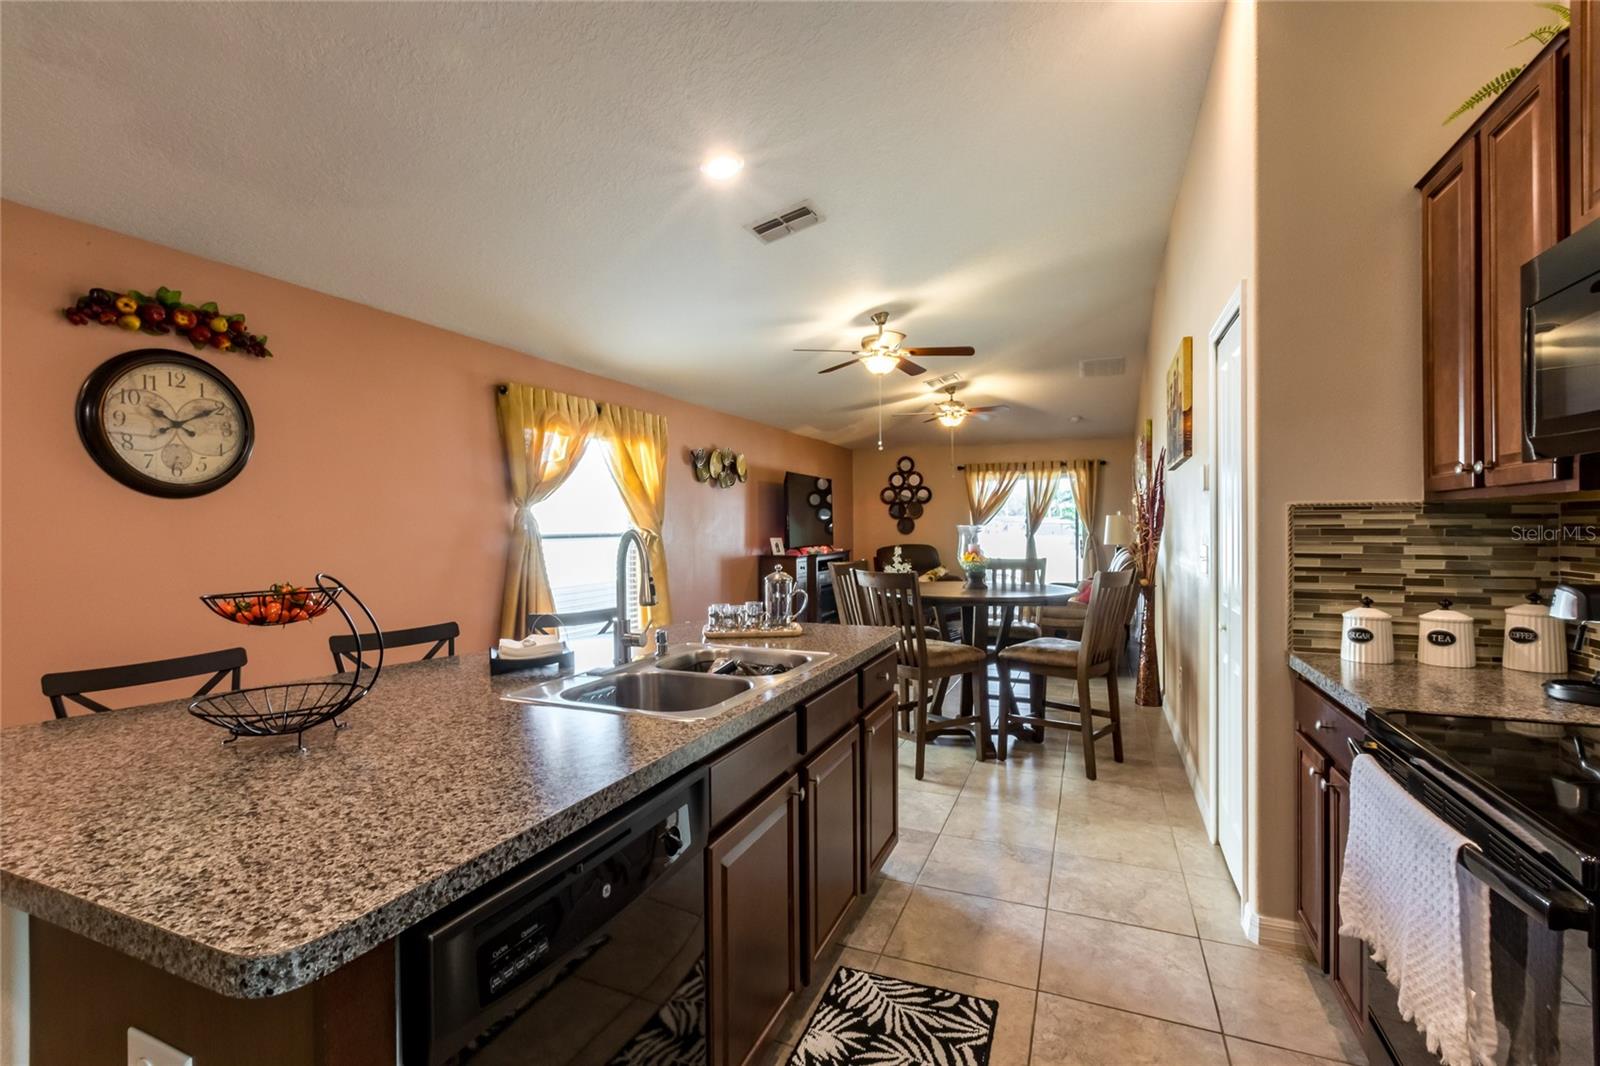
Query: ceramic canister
[
  {"x": 1368, "y": 634},
  {"x": 1534, "y": 641},
  {"x": 1446, "y": 638}
]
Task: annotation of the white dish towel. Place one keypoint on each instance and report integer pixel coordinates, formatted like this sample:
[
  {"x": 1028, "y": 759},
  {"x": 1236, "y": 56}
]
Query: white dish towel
[{"x": 1426, "y": 919}]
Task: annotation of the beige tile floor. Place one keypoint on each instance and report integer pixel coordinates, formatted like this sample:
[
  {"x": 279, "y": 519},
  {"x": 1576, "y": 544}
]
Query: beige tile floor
[{"x": 1095, "y": 912}]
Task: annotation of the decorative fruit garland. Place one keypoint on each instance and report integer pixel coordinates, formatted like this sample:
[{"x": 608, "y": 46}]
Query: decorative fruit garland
[{"x": 164, "y": 313}]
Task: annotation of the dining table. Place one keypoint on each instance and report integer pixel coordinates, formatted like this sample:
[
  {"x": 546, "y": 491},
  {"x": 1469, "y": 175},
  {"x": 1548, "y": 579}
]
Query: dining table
[{"x": 976, "y": 606}]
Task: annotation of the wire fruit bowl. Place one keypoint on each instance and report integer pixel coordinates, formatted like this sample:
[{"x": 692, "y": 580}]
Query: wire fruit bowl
[
  {"x": 277, "y": 606},
  {"x": 292, "y": 708}
]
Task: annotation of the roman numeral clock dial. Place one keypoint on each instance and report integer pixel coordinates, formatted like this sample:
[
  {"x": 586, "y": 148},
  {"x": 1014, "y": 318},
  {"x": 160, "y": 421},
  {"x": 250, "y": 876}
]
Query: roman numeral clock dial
[{"x": 165, "y": 423}]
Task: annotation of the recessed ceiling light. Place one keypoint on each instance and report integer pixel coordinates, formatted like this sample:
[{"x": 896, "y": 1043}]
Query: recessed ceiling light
[{"x": 721, "y": 167}]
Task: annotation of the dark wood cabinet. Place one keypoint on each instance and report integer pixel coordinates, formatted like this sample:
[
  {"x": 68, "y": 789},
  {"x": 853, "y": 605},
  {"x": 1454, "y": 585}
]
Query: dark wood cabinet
[
  {"x": 1344, "y": 952},
  {"x": 1311, "y": 882},
  {"x": 1583, "y": 99},
  {"x": 1323, "y": 734},
  {"x": 833, "y": 839},
  {"x": 1520, "y": 214},
  {"x": 803, "y": 810},
  {"x": 1496, "y": 199},
  {"x": 1450, "y": 321},
  {"x": 880, "y": 786},
  {"x": 754, "y": 947},
  {"x": 810, "y": 573}
]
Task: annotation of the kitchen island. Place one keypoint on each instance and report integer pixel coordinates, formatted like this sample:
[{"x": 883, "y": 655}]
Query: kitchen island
[{"x": 253, "y": 870}]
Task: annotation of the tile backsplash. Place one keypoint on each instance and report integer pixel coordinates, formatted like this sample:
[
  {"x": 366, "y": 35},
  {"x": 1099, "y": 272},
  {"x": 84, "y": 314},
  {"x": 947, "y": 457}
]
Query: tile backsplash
[{"x": 1484, "y": 557}]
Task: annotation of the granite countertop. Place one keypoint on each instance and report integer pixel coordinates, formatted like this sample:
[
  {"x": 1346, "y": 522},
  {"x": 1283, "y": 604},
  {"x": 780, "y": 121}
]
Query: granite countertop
[
  {"x": 253, "y": 869},
  {"x": 1407, "y": 685}
]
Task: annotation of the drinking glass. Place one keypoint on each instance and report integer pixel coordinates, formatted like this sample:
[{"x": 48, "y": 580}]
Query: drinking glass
[{"x": 753, "y": 615}]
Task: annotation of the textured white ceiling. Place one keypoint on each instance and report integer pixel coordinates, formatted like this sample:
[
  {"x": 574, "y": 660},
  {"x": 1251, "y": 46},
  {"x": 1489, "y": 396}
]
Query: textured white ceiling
[{"x": 997, "y": 175}]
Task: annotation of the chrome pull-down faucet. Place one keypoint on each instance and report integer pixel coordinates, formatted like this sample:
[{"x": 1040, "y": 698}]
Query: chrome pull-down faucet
[{"x": 624, "y": 639}]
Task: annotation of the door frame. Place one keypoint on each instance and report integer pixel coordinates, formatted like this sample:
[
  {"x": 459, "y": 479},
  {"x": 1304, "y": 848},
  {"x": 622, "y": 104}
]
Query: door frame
[{"x": 1233, "y": 311}]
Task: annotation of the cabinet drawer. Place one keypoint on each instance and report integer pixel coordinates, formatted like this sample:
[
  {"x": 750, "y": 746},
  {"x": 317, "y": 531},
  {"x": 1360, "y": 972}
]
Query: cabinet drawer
[
  {"x": 748, "y": 769},
  {"x": 826, "y": 713},
  {"x": 877, "y": 679},
  {"x": 1325, "y": 724}
]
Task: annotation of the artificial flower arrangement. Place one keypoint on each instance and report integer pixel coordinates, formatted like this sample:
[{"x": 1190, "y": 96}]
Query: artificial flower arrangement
[
  {"x": 165, "y": 312},
  {"x": 897, "y": 565}
]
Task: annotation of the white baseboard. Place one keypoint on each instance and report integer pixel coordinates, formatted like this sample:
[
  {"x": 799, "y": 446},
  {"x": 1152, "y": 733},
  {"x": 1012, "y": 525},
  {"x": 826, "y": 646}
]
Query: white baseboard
[
  {"x": 1202, "y": 798},
  {"x": 1279, "y": 934}
]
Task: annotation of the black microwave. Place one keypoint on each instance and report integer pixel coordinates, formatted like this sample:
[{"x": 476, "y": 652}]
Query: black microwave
[{"x": 1561, "y": 347}]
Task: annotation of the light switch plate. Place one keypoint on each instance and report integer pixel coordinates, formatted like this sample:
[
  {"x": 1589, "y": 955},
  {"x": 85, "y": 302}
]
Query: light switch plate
[{"x": 146, "y": 1050}]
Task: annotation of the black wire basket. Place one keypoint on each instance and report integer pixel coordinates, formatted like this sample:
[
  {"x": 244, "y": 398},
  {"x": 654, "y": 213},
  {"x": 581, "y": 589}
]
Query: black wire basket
[{"x": 292, "y": 708}]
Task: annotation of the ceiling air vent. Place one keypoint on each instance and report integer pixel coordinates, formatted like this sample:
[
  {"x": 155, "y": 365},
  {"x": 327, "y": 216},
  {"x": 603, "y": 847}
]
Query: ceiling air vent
[
  {"x": 797, "y": 218},
  {"x": 1115, "y": 366}
]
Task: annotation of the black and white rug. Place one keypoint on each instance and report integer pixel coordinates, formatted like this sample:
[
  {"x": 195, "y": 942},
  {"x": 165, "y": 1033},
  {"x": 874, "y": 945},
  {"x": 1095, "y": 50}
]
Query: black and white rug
[{"x": 869, "y": 1018}]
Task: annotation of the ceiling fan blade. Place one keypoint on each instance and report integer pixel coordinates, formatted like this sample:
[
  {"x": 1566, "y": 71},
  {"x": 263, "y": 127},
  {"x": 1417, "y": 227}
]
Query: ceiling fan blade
[
  {"x": 841, "y": 351},
  {"x": 911, "y": 368},
  {"x": 990, "y": 407},
  {"x": 838, "y": 366},
  {"x": 937, "y": 351}
]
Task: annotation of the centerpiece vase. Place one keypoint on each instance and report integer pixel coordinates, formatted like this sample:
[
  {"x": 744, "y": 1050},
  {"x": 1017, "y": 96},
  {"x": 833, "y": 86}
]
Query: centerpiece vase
[{"x": 974, "y": 561}]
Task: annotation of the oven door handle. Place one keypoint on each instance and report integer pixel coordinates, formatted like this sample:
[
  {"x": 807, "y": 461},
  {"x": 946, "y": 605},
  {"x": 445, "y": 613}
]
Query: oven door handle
[{"x": 1557, "y": 910}]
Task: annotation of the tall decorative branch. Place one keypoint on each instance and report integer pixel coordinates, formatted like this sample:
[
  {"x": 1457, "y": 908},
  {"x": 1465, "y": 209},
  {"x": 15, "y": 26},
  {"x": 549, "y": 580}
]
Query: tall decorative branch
[{"x": 1149, "y": 516}]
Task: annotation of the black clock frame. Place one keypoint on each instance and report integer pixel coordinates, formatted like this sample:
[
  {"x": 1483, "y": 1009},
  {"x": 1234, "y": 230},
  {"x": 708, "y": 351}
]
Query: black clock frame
[{"x": 100, "y": 448}]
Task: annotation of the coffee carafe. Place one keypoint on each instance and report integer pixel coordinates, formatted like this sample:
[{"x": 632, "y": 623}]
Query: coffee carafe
[{"x": 779, "y": 596}]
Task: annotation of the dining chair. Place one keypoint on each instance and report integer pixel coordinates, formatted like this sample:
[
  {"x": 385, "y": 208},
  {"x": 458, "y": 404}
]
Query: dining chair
[
  {"x": 895, "y": 600},
  {"x": 441, "y": 635},
  {"x": 1096, "y": 655},
  {"x": 546, "y": 622},
  {"x": 1004, "y": 574},
  {"x": 73, "y": 684},
  {"x": 846, "y": 592}
]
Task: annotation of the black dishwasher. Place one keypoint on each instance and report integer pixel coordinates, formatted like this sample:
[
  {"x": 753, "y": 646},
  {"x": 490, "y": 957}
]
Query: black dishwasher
[{"x": 592, "y": 953}]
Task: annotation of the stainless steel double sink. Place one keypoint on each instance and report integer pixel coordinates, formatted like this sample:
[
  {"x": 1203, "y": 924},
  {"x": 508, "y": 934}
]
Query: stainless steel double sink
[{"x": 677, "y": 685}]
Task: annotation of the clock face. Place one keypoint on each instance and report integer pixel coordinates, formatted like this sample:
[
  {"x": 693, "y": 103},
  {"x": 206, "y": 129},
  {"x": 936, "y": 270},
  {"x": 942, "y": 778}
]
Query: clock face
[{"x": 165, "y": 423}]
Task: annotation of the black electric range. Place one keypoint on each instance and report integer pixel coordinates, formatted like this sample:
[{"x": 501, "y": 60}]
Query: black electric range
[{"x": 1526, "y": 794}]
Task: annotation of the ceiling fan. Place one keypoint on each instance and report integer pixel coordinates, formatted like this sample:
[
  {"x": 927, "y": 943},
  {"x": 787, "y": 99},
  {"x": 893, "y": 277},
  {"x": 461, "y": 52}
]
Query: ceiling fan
[
  {"x": 880, "y": 352},
  {"x": 951, "y": 412}
]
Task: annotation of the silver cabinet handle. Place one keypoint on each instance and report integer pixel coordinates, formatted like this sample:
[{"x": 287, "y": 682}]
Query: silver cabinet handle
[
  {"x": 1320, "y": 724},
  {"x": 1461, "y": 468},
  {"x": 1477, "y": 467},
  {"x": 1312, "y": 771},
  {"x": 1323, "y": 784}
]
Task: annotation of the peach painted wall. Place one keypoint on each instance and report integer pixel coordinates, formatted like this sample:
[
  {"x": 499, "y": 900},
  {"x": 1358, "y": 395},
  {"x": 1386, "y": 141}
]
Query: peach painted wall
[
  {"x": 376, "y": 459},
  {"x": 948, "y": 508}
]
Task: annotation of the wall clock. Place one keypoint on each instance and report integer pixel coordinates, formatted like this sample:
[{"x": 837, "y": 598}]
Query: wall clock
[{"x": 165, "y": 423}]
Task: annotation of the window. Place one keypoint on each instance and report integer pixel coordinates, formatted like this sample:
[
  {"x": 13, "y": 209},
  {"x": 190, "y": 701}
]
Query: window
[
  {"x": 579, "y": 525},
  {"x": 1059, "y": 541}
]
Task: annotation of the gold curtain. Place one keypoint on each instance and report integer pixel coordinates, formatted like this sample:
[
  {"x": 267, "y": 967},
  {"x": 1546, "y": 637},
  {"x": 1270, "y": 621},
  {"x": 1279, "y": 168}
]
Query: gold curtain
[
  {"x": 1042, "y": 479},
  {"x": 638, "y": 458},
  {"x": 1085, "y": 475},
  {"x": 544, "y": 433},
  {"x": 988, "y": 485}
]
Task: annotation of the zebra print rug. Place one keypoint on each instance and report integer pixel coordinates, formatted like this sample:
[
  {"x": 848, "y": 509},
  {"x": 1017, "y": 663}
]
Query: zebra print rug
[{"x": 869, "y": 1018}]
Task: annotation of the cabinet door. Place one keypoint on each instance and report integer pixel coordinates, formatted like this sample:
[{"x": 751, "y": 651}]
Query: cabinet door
[
  {"x": 1311, "y": 846},
  {"x": 1450, "y": 322},
  {"x": 753, "y": 914},
  {"x": 833, "y": 842},
  {"x": 880, "y": 786},
  {"x": 1584, "y": 88},
  {"x": 1345, "y": 952},
  {"x": 1520, "y": 215}
]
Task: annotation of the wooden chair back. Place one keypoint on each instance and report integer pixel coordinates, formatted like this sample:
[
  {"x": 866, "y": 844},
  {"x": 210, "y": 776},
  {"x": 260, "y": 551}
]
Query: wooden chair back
[
  {"x": 73, "y": 684},
  {"x": 1111, "y": 602},
  {"x": 1002, "y": 574},
  {"x": 604, "y": 617},
  {"x": 846, "y": 592},
  {"x": 895, "y": 600},
  {"x": 441, "y": 635}
]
